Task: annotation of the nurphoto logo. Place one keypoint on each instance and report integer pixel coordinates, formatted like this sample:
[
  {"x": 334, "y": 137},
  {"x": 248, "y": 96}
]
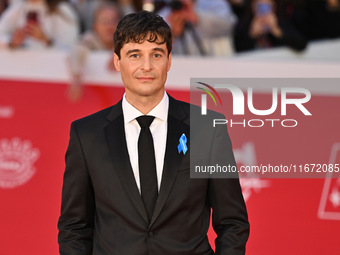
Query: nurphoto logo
[{"x": 282, "y": 96}]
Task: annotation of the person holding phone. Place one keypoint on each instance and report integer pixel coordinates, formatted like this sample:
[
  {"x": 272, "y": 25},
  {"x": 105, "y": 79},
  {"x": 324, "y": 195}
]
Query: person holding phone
[
  {"x": 262, "y": 27},
  {"x": 38, "y": 24}
]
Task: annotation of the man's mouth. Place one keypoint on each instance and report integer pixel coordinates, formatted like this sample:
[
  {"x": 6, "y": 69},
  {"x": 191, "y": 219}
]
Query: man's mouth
[{"x": 145, "y": 78}]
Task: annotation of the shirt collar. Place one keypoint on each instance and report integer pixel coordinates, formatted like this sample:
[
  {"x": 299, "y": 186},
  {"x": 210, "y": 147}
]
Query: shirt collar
[{"x": 160, "y": 111}]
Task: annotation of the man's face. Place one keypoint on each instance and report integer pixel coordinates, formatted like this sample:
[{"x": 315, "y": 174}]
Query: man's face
[{"x": 144, "y": 67}]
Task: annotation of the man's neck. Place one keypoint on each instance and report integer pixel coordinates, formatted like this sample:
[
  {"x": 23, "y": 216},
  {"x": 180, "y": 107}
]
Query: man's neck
[{"x": 144, "y": 104}]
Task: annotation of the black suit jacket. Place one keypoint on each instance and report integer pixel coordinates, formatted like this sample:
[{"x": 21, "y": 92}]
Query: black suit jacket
[{"x": 102, "y": 212}]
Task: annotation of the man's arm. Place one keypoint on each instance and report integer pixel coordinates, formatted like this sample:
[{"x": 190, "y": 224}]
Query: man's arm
[
  {"x": 229, "y": 218},
  {"x": 76, "y": 221}
]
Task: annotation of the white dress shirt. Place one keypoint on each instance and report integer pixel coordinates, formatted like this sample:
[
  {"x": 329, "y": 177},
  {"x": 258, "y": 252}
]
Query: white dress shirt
[{"x": 158, "y": 130}]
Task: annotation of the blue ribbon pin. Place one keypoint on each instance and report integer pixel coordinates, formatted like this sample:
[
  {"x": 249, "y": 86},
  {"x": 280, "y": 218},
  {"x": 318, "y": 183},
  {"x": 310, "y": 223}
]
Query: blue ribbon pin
[{"x": 182, "y": 144}]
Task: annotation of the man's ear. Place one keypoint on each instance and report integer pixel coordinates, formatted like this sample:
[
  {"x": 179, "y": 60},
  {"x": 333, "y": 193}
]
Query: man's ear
[
  {"x": 169, "y": 62},
  {"x": 116, "y": 62}
]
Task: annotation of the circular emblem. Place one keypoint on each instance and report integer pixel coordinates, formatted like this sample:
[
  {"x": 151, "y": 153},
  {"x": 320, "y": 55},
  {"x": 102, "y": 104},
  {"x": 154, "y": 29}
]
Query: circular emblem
[{"x": 17, "y": 160}]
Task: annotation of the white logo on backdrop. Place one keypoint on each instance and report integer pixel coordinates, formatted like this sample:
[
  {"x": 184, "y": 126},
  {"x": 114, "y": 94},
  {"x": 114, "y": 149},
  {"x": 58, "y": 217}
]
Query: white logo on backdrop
[
  {"x": 250, "y": 182},
  {"x": 329, "y": 207},
  {"x": 17, "y": 160},
  {"x": 6, "y": 112}
]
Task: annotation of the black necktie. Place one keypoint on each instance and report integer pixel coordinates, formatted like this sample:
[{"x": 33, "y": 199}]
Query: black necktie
[{"x": 147, "y": 165}]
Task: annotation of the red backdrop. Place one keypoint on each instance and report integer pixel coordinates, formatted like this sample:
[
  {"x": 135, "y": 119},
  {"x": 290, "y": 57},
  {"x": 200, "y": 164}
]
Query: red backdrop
[{"x": 287, "y": 216}]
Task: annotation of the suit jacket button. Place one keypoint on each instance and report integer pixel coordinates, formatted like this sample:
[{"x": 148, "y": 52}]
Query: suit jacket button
[{"x": 151, "y": 234}]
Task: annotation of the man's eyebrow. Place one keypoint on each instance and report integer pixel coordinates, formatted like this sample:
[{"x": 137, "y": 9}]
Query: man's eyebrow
[
  {"x": 132, "y": 51},
  {"x": 138, "y": 50},
  {"x": 159, "y": 49}
]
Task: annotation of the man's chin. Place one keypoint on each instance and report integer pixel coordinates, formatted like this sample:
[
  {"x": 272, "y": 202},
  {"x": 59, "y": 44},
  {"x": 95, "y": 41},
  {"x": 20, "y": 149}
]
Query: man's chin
[{"x": 151, "y": 92}]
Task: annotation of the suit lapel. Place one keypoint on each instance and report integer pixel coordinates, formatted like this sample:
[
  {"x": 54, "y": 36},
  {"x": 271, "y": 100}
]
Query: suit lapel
[
  {"x": 115, "y": 134},
  {"x": 172, "y": 159}
]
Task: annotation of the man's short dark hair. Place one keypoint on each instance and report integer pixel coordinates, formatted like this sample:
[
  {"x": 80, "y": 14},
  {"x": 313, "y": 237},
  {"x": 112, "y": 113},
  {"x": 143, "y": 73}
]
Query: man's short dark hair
[{"x": 141, "y": 26}]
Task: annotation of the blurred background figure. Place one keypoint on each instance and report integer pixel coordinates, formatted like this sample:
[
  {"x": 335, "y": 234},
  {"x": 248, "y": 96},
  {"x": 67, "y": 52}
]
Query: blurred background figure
[
  {"x": 38, "y": 24},
  {"x": 264, "y": 25},
  {"x": 3, "y": 5},
  {"x": 85, "y": 9},
  {"x": 201, "y": 27},
  {"x": 99, "y": 38},
  {"x": 238, "y": 6},
  {"x": 323, "y": 19},
  {"x": 129, "y": 6}
]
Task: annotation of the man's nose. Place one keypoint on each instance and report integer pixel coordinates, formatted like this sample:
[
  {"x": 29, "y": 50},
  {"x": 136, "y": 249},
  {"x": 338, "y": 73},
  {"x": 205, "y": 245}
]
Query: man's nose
[{"x": 147, "y": 64}]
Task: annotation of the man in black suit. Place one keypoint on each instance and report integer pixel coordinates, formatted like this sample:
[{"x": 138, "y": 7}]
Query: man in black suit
[{"x": 122, "y": 197}]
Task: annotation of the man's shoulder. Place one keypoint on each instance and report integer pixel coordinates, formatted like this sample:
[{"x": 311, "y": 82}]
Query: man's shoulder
[
  {"x": 179, "y": 103},
  {"x": 96, "y": 119},
  {"x": 195, "y": 110}
]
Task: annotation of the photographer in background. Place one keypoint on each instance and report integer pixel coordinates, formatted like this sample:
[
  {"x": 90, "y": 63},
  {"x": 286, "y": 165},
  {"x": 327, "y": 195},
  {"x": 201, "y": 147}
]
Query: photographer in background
[
  {"x": 86, "y": 8},
  {"x": 38, "y": 24},
  {"x": 261, "y": 27},
  {"x": 99, "y": 38},
  {"x": 201, "y": 27}
]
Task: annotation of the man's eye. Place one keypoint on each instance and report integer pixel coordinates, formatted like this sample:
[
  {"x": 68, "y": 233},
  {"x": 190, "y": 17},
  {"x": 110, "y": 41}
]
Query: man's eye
[
  {"x": 157, "y": 55},
  {"x": 134, "y": 56}
]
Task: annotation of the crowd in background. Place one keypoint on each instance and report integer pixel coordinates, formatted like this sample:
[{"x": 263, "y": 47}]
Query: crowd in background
[{"x": 200, "y": 27}]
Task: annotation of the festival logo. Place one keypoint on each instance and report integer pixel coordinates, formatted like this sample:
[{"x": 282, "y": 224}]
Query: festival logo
[{"x": 17, "y": 160}]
